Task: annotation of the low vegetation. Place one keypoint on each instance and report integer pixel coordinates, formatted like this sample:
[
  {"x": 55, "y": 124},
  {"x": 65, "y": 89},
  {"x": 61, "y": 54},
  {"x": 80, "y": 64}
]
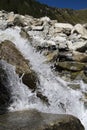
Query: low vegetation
[{"x": 36, "y": 9}]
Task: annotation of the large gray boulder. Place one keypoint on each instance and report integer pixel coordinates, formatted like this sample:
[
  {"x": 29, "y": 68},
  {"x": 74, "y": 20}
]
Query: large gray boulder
[
  {"x": 34, "y": 120},
  {"x": 9, "y": 53}
]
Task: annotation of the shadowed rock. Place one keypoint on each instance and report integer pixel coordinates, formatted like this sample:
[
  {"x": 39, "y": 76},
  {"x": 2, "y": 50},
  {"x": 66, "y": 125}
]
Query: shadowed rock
[
  {"x": 9, "y": 53},
  {"x": 34, "y": 120}
]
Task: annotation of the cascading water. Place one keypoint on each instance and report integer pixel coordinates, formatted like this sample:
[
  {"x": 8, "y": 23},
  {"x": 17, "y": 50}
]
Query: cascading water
[
  {"x": 19, "y": 92},
  {"x": 62, "y": 99}
]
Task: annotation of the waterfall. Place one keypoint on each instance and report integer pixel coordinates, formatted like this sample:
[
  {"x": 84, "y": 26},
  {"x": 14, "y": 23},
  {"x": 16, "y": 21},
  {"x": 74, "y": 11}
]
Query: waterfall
[
  {"x": 19, "y": 92},
  {"x": 62, "y": 99}
]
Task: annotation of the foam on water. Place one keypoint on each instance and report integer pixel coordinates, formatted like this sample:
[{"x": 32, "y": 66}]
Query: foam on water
[{"x": 62, "y": 99}]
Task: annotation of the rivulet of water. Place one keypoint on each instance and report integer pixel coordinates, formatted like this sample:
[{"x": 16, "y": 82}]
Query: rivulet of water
[{"x": 62, "y": 99}]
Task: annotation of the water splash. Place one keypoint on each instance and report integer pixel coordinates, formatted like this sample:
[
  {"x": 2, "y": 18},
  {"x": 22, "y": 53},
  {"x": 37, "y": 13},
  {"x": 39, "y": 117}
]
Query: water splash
[{"x": 19, "y": 92}]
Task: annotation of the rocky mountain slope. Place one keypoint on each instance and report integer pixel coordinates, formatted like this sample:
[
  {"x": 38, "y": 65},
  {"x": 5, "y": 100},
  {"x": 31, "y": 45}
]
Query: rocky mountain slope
[{"x": 37, "y": 9}]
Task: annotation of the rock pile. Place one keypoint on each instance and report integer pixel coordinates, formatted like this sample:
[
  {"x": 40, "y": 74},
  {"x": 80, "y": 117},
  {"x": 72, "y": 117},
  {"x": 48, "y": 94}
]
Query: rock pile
[{"x": 63, "y": 44}]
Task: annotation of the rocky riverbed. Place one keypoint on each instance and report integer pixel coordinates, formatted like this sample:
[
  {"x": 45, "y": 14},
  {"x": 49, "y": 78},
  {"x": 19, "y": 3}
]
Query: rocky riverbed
[
  {"x": 63, "y": 44},
  {"x": 64, "y": 48}
]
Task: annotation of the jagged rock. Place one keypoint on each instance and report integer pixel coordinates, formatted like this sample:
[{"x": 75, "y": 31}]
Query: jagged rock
[
  {"x": 74, "y": 86},
  {"x": 50, "y": 43},
  {"x": 42, "y": 97},
  {"x": 9, "y": 53},
  {"x": 37, "y": 22},
  {"x": 77, "y": 46},
  {"x": 78, "y": 56},
  {"x": 34, "y": 120},
  {"x": 3, "y": 15},
  {"x": 70, "y": 66},
  {"x": 51, "y": 56},
  {"x": 67, "y": 32},
  {"x": 79, "y": 76},
  {"x": 65, "y": 56},
  {"x": 75, "y": 38},
  {"x": 3, "y": 24},
  {"x": 63, "y": 26},
  {"x": 37, "y": 28},
  {"x": 25, "y": 35},
  {"x": 46, "y": 46},
  {"x": 59, "y": 39},
  {"x": 46, "y": 30},
  {"x": 82, "y": 48},
  {"x": 10, "y": 17},
  {"x": 62, "y": 46},
  {"x": 45, "y": 19},
  {"x": 78, "y": 28},
  {"x": 19, "y": 21}
]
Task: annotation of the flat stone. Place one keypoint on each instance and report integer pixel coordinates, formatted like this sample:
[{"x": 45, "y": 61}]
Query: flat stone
[
  {"x": 37, "y": 28},
  {"x": 63, "y": 25},
  {"x": 71, "y": 66},
  {"x": 78, "y": 56},
  {"x": 34, "y": 120}
]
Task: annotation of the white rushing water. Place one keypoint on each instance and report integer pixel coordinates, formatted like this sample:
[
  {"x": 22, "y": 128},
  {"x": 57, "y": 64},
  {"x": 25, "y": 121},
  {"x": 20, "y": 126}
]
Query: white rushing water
[
  {"x": 62, "y": 99},
  {"x": 19, "y": 92}
]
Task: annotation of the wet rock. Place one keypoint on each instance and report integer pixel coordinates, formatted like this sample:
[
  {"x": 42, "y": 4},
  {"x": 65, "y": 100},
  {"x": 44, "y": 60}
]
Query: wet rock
[
  {"x": 71, "y": 66},
  {"x": 30, "y": 79},
  {"x": 25, "y": 35},
  {"x": 43, "y": 97},
  {"x": 9, "y": 53},
  {"x": 34, "y": 120},
  {"x": 5, "y": 93},
  {"x": 79, "y": 76},
  {"x": 74, "y": 86}
]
